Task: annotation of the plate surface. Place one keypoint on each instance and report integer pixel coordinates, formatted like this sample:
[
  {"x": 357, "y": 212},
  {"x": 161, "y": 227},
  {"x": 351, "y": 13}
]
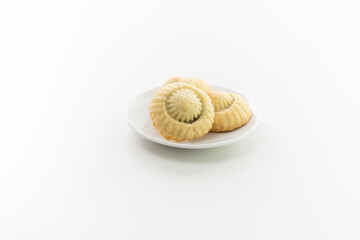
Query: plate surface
[{"x": 138, "y": 117}]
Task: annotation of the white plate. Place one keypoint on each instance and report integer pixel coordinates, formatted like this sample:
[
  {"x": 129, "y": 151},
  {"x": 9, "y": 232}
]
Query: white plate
[{"x": 138, "y": 117}]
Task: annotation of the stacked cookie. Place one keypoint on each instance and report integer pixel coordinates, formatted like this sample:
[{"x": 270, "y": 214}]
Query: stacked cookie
[{"x": 187, "y": 108}]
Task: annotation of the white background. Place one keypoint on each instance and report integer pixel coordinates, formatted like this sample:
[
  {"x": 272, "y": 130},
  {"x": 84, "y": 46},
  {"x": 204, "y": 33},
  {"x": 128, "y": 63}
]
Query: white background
[{"x": 71, "y": 167}]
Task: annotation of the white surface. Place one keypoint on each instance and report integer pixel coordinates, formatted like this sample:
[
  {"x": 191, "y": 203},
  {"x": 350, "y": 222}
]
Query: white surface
[
  {"x": 138, "y": 116},
  {"x": 72, "y": 168}
]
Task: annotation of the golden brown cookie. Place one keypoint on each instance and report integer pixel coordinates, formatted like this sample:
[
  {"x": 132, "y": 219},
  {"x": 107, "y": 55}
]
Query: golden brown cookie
[
  {"x": 194, "y": 81},
  {"x": 231, "y": 111},
  {"x": 180, "y": 111}
]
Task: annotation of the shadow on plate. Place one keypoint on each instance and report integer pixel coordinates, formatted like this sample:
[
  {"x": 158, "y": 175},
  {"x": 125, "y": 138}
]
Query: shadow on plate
[{"x": 235, "y": 150}]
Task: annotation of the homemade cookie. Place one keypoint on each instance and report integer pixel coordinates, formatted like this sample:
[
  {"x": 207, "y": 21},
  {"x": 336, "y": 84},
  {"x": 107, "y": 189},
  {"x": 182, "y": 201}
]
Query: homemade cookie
[
  {"x": 180, "y": 111},
  {"x": 231, "y": 111},
  {"x": 194, "y": 81}
]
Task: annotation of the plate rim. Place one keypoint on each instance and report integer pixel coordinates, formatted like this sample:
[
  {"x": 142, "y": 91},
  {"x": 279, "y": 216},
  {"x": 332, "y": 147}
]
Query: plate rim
[{"x": 194, "y": 145}]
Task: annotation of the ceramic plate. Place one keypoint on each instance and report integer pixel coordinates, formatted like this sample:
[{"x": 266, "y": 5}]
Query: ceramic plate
[{"x": 138, "y": 117}]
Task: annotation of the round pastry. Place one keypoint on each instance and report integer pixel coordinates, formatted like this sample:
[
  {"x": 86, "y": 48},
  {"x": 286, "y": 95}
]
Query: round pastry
[
  {"x": 194, "y": 81},
  {"x": 231, "y": 111},
  {"x": 180, "y": 111}
]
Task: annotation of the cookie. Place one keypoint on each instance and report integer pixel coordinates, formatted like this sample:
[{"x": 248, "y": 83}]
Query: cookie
[
  {"x": 180, "y": 111},
  {"x": 231, "y": 111}
]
